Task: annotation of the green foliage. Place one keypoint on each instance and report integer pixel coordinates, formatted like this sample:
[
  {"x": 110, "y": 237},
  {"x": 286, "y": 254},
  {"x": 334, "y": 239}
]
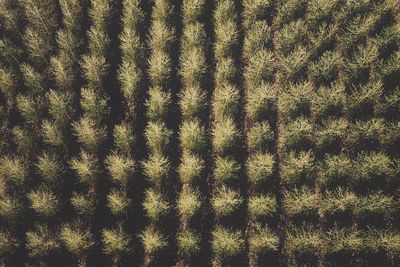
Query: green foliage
[
  {"x": 263, "y": 240},
  {"x": 29, "y": 109},
  {"x": 160, "y": 68},
  {"x": 190, "y": 168},
  {"x": 94, "y": 105},
  {"x": 364, "y": 57},
  {"x": 158, "y": 104},
  {"x": 121, "y": 168},
  {"x": 363, "y": 99},
  {"x": 226, "y": 32},
  {"x": 188, "y": 243},
  {"x": 260, "y": 137},
  {"x": 193, "y": 67},
  {"x": 260, "y": 168},
  {"x": 44, "y": 202},
  {"x": 14, "y": 170},
  {"x": 262, "y": 206},
  {"x": 290, "y": 10},
  {"x": 153, "y": 241},
  {"x": 130, "y": 78},
  {"x": 227, "y": 243},
  {"x": 326, "y": 69},
  {"x": 253, "y": 11},
  {"x": 60, "y": 106},
  {"x": 25, "y": 140},
  {"x": 7, "y": 84},
  {"x": 118, "y": 202},
  {"x": 193, "y": 10},
  {"x": 301, "y": 202},
  {"x": 298, "y": 168},
  {"x": 52, "y": 134},
  {"x": 42, "y": 242},
  {"x": 226, "y": 201},
  {"x": 192, "y": 136},
  {"x": 225, "y": 136},
  {"x": 188, "y": 204},
  {"x": 86, "y": 167},
  {"x": 156, "y": 168},
  {"x": 155, "y": 205},
  {"x": 95, "y": 70},
  {"x": 382, "y": 241},
  {"x": 158, "y": 136},
  {"x": 291, "y": 35},
  {"x": 294, "y": 64},
  {"x": 116, "y": 242},
  {"x": 226, "y": 71}
]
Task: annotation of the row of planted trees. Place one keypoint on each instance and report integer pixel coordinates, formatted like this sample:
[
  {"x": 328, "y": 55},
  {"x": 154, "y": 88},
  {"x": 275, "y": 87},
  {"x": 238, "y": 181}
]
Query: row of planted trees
[{"x": 276, "y": 144}]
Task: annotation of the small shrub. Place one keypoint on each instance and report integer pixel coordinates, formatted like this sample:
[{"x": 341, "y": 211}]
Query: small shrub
[
  {"x": 226, "y": 38},
  {"x": 193, "y": 67},
  {"x": 188, "y": 243},
  {"x": 301, "y": 202},
  {"x": 13, "y": 170},
  {"x": 304, "y": 242},
  {"x": 260, "y": 68},
  {"x": 358, "y": 67},
  {"x": 158, "y": 104},
  {"x": 226, "y": 71},
  {"x": 338, "y": 201},
  {"x": 226, "y": 170},
  {"x": 262, "y": 206},
  {"x": 41, "y": 242},
  {"x": 260, "y": 168},
  {"x": 370, "y": 167},
  {"x": 118, "y": 202},
  {"x": 260, "y": 102},
  {"x": 11, "y": 208},
  {"x": 193, "y": 10},
  {"x": 296, "y": 100},
  {"x": 193, "y": 36},
  {"x": 156, "y": 168},
  {"x": 367, "y": 135},
  {"x": 95, "y": 70},
  {"x": 161, "y": 36},
  {"x": 326, "y": 69},
  {"x": 329, "y": 101},
  {"x": 86, "y": 167},
  {"x": 294, "y": 64},
  {"x": 52, "y": 134},
  {"x": 392, "y": 137},
  {"x": 60, "y": 106},
  {"x": 192, "y": 102},
  {"x": 123, "y": 138},
  {"x": 158, "y": 137},
  {"x": 335, "y": 169},
  {"x": 83, "y": 204},
  {"x": 192, "y": 136},
  {"x": 121, "y": 168},
  {"x": 258, "y": 38},
  {"x": 160, "y": 68},
  {"x": 375, "y": 205},
  {"x": 30, "y": 110},
  {"x": 292, "y": 34},
  {"x": 378, "y": 241},
  {"x": 225, "y": 136},
  {"x": 116, "y": 242},
  {"x": 263, "y": 240},
  {"x": 225, "y": 102},
  {"x": 77, "y": 239},
  {"x": 342, "y": 240},
  {"x": 227, "y": 243},
  {"x": 298, "y": 134},
  {"x": 94, "y": 105},
  {"x": 155, "y": 205},
  {"x": 226, "y": 201},
  {"x": 331, "y": 135},
  {"x": 255, "y": 10},
  {"x": 25, "y": 140},
  {"x": 153, "y": 241},
  {"x": 190, "y": 168},
  {"x": 188, "y": 204},
  {"x": 364, "y": 99},
  {"x": 260, "y": 137},
  {"x": 298, "y": 168},
  {"x": 8, "y": 244},
  {"x": 89, "y": 133},
  {"x": 44, "y": 202}
]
